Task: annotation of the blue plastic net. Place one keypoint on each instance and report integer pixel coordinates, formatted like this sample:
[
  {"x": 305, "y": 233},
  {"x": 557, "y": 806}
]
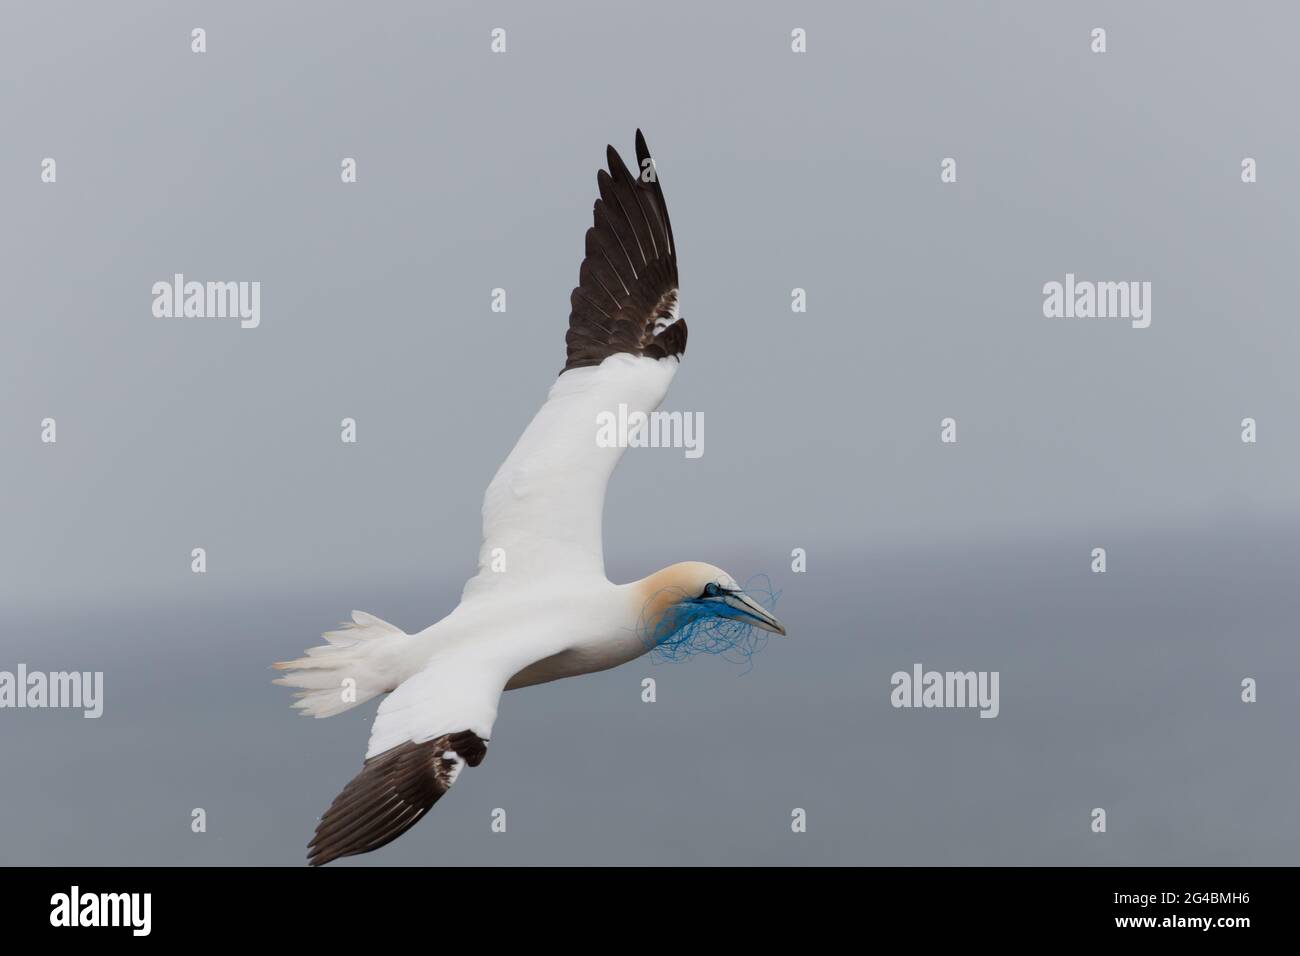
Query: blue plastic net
[{"x": 690, "y": 627}]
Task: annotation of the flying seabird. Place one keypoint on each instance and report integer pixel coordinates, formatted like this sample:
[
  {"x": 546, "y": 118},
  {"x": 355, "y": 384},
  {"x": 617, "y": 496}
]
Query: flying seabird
[{"x": 553, "y": 613}]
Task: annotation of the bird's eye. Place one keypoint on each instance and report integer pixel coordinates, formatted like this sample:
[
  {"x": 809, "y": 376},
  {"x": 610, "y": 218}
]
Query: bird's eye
[{"x": 710, "y": 590}]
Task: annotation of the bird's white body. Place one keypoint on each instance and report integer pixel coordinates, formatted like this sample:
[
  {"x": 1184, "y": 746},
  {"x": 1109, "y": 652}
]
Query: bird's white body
[
  {"x": 572, "y": 629},
  {"x": 459, "y": 666},
  {"x": 540, "y": 607}
]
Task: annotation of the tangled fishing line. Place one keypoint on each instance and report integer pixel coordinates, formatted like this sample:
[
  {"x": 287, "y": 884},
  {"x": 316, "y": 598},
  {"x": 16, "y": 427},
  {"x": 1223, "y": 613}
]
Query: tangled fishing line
[{"x": 692, "y": 627}]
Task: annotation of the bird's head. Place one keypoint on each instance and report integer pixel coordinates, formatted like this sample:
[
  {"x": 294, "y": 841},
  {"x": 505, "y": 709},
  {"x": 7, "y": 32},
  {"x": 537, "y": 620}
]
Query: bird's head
[{"x": 695, "y": 606}]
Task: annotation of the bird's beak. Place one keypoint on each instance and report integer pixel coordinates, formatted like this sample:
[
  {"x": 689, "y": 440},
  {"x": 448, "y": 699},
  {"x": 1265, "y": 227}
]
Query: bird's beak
[{"x": 746, "y": 609}]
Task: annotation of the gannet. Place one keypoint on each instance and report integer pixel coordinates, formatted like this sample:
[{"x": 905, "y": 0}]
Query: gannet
[{"x": 551, "y": 613}]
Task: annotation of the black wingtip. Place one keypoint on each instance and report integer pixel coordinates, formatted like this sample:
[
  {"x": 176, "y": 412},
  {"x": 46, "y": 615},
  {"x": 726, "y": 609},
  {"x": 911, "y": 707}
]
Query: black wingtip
[
  {"x": 627, "y": 283},
  {"x": 392, "y": 793}
]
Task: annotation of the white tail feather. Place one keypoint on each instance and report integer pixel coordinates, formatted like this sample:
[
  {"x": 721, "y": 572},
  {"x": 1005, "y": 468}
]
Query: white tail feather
[{"x": 365, "y": 657}]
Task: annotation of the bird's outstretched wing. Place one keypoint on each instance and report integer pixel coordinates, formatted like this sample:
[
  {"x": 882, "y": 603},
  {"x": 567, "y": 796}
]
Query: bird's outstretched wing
[
  {"x": 542, "y": 511},
  {"x": 626, "y": 297},
  {"x": 426, "y": 731}
]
